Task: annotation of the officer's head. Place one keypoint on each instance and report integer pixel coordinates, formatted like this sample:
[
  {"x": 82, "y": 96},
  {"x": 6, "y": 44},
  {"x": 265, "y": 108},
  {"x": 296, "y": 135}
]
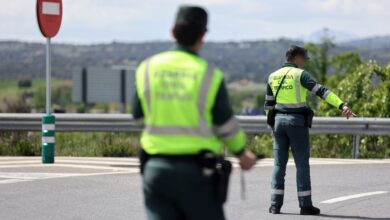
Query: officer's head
[
  {"x": 190, "y": 27},
  {"x": 297, "y": 55}
]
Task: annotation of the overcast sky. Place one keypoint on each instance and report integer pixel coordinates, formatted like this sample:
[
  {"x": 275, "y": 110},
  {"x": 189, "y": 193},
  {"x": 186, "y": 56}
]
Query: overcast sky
[{"x": 91, "y": 21}]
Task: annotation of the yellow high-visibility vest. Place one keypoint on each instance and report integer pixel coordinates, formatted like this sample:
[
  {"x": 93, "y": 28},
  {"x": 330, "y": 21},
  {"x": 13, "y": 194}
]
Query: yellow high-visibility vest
[{"x": 177, "y": 92}]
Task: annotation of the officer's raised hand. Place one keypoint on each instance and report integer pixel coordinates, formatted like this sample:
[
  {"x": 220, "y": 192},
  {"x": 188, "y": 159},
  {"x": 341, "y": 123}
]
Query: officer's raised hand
[
  {"x": 247, "y": 160},
  {"x": 347, "y": 112}
]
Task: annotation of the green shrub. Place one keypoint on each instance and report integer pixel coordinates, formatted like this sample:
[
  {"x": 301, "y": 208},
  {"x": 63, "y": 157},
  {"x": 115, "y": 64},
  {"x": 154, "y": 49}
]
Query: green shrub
[
  {"x": 261, "y": 144},
  {"x": 367, "y": 91},
  {"x": 19, "y": 144}
]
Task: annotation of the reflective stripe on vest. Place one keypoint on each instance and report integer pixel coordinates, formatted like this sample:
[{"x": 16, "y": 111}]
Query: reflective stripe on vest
[
  {"x": 202, "y": 129},
  {"x": 297, "y": 105},
  {"x": 227, "y": 130},
  {"x": 297, "y": 80}
]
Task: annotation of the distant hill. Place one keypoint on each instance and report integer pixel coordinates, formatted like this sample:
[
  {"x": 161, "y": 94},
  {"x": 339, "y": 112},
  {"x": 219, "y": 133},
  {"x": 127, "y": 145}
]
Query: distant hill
[
  {"x": 239, "y": 60},
  {"x": 336, "y": 36},
  {"x": 376, "y": 48},
  {"x": 370, "y": 43}
]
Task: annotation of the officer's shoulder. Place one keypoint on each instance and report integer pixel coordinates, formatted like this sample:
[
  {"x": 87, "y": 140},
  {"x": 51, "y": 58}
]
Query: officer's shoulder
[
  {"x": 274, "y": 72},
  {"x": 217, "y": 70},
  {"x": 293, "y": 68},
  {"x": 285, "y": 67},
  {"x": 300, "y": 69},
  {"x": 142, "y": 64},
  {"x": 155, "y": 56}
]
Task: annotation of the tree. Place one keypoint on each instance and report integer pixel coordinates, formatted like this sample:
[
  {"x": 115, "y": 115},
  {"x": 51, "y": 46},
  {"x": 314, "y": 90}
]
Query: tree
[
  {"x": 344, "y": 63},
  {"x": 322, "y": 64},
  {"x": 319, "y": 57},
  {"x": 367, "y": 91}
]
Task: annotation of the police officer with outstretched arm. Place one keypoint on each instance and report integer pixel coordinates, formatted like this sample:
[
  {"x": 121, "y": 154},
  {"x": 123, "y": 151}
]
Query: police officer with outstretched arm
[
  {"x": 183, "y": 101},
  {"x": 290, "y": 119}
]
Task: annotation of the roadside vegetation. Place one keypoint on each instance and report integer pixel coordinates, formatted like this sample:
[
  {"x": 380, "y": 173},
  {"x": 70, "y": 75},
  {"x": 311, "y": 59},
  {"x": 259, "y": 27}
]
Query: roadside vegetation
[
  {"x": 365, "y": 85},
  {"x": 107, "y": 144}
]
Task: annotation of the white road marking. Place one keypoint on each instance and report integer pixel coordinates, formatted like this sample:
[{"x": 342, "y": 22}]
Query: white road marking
[
  {"x": 66, "y": 165},
  {"x": 30, "y": 176},
  {"x": 23, "y": 177},
  {"x": 344, "y": 198},
  {"x": 109, "y": 165},
  {"x": 7, "y": 181},
  {"x": 19, "y": 162},
  {"x": 269, "y": 162},
  {"x": 38, "y": 159},
  {"x": 126, "y": 163},
  {"x": 98, "y": 162},
  {"x": 73, "y": 161}
]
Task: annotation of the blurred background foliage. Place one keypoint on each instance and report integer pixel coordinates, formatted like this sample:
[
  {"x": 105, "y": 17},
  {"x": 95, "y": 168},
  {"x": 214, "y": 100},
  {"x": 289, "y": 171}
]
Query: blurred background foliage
[{"x": 367, "y": 91}]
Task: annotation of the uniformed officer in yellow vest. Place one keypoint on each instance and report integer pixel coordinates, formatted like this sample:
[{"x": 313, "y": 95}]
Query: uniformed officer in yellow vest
[
  {"x": 183, "y": 101},
  {"x": 286, "y": 98}
]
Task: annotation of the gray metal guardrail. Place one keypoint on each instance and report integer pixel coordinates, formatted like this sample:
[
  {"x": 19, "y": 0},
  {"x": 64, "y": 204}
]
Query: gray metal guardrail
[{"x": 251, "y": 124}]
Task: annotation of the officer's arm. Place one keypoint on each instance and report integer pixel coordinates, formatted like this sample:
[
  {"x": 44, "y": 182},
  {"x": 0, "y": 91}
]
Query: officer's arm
[
  {"x": 270, "y": 101},
  {"x": 225, "y": 123},
  {"x": 321, "y": 91}
]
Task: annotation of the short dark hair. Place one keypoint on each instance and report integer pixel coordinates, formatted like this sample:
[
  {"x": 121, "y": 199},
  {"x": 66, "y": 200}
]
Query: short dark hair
[
  {"x": 188, "y": 35},
  {"x": 190, "y": 24},
  {"x": 295, "y": 51}
]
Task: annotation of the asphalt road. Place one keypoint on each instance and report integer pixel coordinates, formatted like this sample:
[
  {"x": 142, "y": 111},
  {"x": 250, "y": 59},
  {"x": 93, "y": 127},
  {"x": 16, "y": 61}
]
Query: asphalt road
[{"x": 95, "y": 188}]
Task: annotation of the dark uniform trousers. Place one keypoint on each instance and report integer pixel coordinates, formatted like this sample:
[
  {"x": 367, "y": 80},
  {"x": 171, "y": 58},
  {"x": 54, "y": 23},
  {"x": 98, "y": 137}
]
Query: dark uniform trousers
[
  {"x": 177, "y": 190},
  {"x": 290, "y": 131}
]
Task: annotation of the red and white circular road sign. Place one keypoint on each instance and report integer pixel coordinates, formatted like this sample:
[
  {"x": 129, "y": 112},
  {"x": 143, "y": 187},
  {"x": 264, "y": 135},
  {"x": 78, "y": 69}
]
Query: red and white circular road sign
[{"x": 49, "y": 14}]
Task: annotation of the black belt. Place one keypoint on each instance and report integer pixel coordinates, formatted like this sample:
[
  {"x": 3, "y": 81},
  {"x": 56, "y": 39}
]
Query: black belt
[
  {"x": 204, "y": 159},
  {"x": 290, "y": 113},
  {"x": 191, "y": 158}
]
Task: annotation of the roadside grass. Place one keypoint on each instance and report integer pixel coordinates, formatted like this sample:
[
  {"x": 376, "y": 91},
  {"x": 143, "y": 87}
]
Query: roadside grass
[
  {"x": 125, "y": 144},
  {"x": 96, "y": 144}
]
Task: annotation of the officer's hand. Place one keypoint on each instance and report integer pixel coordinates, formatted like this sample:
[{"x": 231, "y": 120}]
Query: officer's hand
[
  {"x": 347, "y": 112},
  {"x": 247, "y": 160}
]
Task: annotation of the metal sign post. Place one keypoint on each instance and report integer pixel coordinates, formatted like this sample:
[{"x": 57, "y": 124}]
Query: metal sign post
[
  {"x": 49, "y": 14},
  {"x": 48, "y": 75},
  {"x": 48, "y": 120}
]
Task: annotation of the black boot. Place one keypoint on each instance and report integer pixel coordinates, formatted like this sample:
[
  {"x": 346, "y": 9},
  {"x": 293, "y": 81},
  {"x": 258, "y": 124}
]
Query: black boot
[
  {"x": 310, "y": 210},
  {"x": 274, "y": 209}
]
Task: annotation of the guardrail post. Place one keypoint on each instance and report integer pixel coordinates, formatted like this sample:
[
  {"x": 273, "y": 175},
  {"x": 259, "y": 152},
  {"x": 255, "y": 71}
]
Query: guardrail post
[
  {"x": 84, "y": 89},
  {"x": 48, "y": 138},
  {"x": 123, "y": 91},
  {"x": 356, "y": 146}
]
